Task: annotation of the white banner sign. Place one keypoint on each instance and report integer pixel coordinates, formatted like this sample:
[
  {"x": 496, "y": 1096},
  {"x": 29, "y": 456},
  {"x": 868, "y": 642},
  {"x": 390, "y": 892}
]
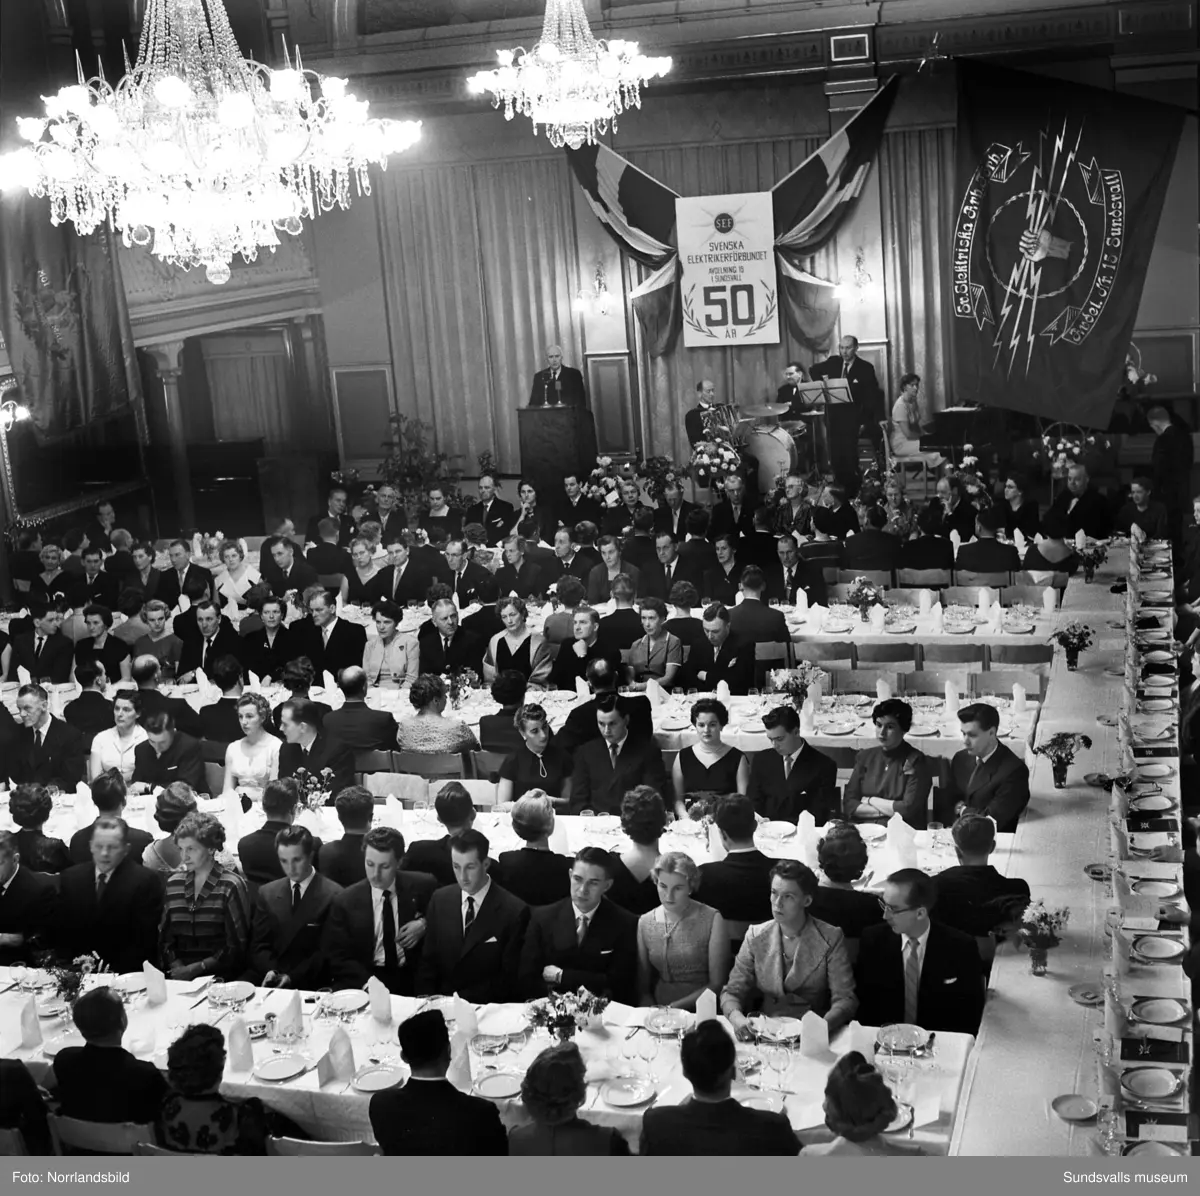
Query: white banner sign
[{"x": 729, "y": 292}]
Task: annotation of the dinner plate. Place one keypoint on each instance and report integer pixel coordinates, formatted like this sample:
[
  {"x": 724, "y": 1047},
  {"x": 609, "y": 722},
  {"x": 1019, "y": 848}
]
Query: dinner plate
[
  {"x": 778, "y": 1029},
  {"x": 664, "y": 1023},
  {"x": 674, "y": 724},
  {"x": 958, "y": 628},
  {"x": 71, "y": 1038},
  {"x": 1159, "y": 1011},
  {"x": 1086, "y": 994},
  {"x": 51, "y": 1008},
  {"x": 232, "y": 992},
  {"x": 347, "y": 1000},
  {"x": 835, "y": 628},
  {"x": 752, "y": 727},
  {"x": 1154, "y": 635},
  {"x": 279, "y": 1068},
  {"x": 777, "y": 830},
  {"x": 1152, "y": 1083},
  {"x": 902, "y": 1120},
  {"x": 924, "y": 702},
  {"x": 766, "y": 1102},
  {"x": 1158, "y": 947},
  {"x": 1151, "y": 802},
  {"x": 503, "y": 1021},
  {"x": 899, "y": 628},
  {"x": 901, "y": 1037},
  {"x": 626, "y": 1092},
  {"x": 838, "y": 728},
  {"x": 1156, "y": 888},
  {"x": 130, "y": 982},
  {"x": 928, "y": 730},
  {"x": 1157, "y": 656},
  {"x": 1074, "y": 1107},
  {"x": 1155, "y": 771},
  {"x": 872, "y": 832},
  {"x": 1156, "y": 704},
  {"x": 1160, "y": 1149},
  {"x": 379, "y": 1076}
]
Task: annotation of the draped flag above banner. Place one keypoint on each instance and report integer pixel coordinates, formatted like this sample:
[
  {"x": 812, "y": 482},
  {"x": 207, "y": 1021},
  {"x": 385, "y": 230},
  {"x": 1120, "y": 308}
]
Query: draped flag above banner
[
  {"x": 808, "y": 206},
  {"x": 1060, "y": 188}
]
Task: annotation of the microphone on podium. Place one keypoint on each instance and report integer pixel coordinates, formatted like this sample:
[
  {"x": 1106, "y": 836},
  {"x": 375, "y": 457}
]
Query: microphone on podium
[{"x": 558, "y": 392}]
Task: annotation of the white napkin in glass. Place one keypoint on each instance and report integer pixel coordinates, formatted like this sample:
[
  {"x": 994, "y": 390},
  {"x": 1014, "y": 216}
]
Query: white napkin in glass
[
  {"x": 1080, "y": 540},
  {"x": 381, "y": 1000},
  {"x": 1049, "y": 600},
  {"x": 802, "y": 601},
  {"x": 985, "y": 600},
  {"x": 716, "y": 848},
  {"x": 808, "y": 720},
  {"x": 1020, "y": 541},
  {"x": 806, "y": 836},
  {"x": 956, "y": 541},
  {"x": 581, "y": 686},
  {"x": 292, "y": 1016},
  {"x": 883, "y": 691},
  {"x": 951, "y": 699},
  {"x": 255, "y": 683},
  {"x": 723, "y": 694},
  {"x": 328, "y": 682},
  {"x": 156, "y": 984},
  {"x": 465, "y": 1019},
  {"x": 654, "y": 692},
  {"x": 31, "y": 1031},
  {"x": 23, "y": 675},
  {"x": 937, "y": 620},
  {"x": 237, "y": 1046},
  {"x": 924, "y": 601},
  {"x": 1018, "y": 698},
  {"x": 233, "y": 814},
  {"x": 706, "y": 1006},
  {"x": 902, "y": 839},
  {"x": 814, "y": 1035}
]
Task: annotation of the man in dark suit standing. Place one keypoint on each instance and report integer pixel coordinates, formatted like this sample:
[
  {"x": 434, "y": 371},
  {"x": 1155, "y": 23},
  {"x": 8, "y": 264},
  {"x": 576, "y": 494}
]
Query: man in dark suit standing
[
  {"x": 739, "y": 886},
  {"x": 693, "y": 418},
  {"x": 493, "y": 514},
  {"x": 288, "y": 924},
  {"x": 672, "y": 513},
  {"x": 463, "y": 576},
  {"x": 914, "y": 970},
  {"x": 574, "y": 506},
  {"x": 211, "y": 635},
  {"x": 986, "y": 776},
  {"x": 710, "y": 1121},
  {"x": 358, "y": 726},
  {"x": 288, "y": 569},
  {"x": 795, "y": 574},
  {"x": 27, "y": 901},
  {"x": 721, "y": 657},
  {"x": 793, "y": 776},
  {"x": 43, "y": 650},
  {"x": 845, "y": 421},
  {"x": 327, "y": 556},
  {"x": 1171, "y": 461},
  {"x": 446, "y": 646},
  {"x": 985, "y": 554},
  {"x": 332, "y": 644},
  {"x": 376, "y": 926},
  {"x": 752, "y": 620},
  {"x": 258, "y": 851},
  {"x": 605, "y": 768},
  {"x": 603, "y": 675},
  {"x": 336, "y": 506},
  {"x": 429, "y": 1116},
  {"x": 101, "y": 1081},
  {"x": 456, "y": 813},
  {"x": 183, "y": 579},
  {"x": 557, "y": 384},
  {"x": 168, "y": 755},
  {"x": 44, "y": 749},
  {"x": 475, "y": 930},
  {"x": 584, "y": 940},
  {"x": 307, "y": 746},
  {"x": 110, "y": 905},
  {"x": 342, "y": 860},
  {"x": 268, "y": 649}
]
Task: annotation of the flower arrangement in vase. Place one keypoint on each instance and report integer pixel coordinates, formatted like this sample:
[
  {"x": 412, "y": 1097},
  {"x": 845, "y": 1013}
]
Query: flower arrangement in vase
[
  {"x": 69, "y": 977},
  {"x": 1090, "y": 558},
  {"x": 1074, "y": 638},
  {"x": 864, "y": 594},
  {"x": 658, "y": 473},
  {"x": 794, "y": 684},
  {"x": 1061, "y": 749},
  {"x": 713, "y": 460},
  {"x": 563, "y": 1013},
  {"x": 315, "y": 787},
  {"x": 1039, "y": 932},
  {"x": 459, "y": 684}
]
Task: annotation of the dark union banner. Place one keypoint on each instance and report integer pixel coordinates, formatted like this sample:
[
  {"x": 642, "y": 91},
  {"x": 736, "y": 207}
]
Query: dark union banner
[{"x": 1059, "y": 192}]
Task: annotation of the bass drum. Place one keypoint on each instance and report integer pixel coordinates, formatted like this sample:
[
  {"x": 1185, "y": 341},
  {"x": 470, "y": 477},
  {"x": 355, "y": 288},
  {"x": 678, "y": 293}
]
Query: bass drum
[{"x": 776, "y": 453}]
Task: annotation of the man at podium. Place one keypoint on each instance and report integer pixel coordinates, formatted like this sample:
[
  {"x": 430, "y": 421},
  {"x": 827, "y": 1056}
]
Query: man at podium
[{"x": 557, "y": 384}]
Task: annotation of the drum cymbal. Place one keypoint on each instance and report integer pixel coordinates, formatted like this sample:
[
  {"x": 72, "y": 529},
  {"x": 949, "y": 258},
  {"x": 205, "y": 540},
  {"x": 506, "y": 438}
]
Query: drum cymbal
[{"x": 767, "y": 411}]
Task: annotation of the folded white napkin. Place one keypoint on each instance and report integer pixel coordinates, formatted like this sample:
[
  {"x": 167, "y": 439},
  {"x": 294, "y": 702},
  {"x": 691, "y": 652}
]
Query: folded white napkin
[
  {"x": 814, "y": 1035},
  {"x": 23, "y": 675},
  {"x": 716, "y": 848},
  {"x": 924, "y": 601},
  {"x": 878, "y": 617},
  {"x": 802, "y": 601},
  {"x": 883, "y": 691},
  {"x": 85, "y": 811},
  {"x": 997, "y": 619},
  {"x": 465, "y": 1019},
  {"x": 723, "y": 694},
  {"x": 156, "y": 984},
  {"x": 1018, "y": 698},
  {"x": 184, "y": 605},
  {"x": 856, "y": 1037},
  {"x": 381, "y": 1000},
  {"x": 341, "y": 1053},
  {"x": 459, "y": 1071},
  {"x": 1080, "y": 540},
  {"x": 1020, "y": 541},
  {"x": 738, "y": 598},
  {"x": 815, "y": 693},
  {"x": 706, "y": 1006},
  {"x": 328, "y": 682},
  {"x": 31, "y": 1031},
  {"x": 581, "y": 686},
  {"x": 559, "y": 841},
  {"x": 237, "y": 1046},
  {"x": 806, "y": 837},
  {"x": 654, "y": 692},
  {"x": 1049, "y": 600},
  {"x": 937, "y": 620},
  {"x": 255, "y": 683},
  {"x": 985, "y": 600},
  {"x": 808, "y": 718},
  {"x": 902, "y": 839},
  {"x": 393, "y": 813},
  {"x": 956, "y": 541},
  {"x": 951, "y": 699},
  {"x": 292, "y": 1016},
  {"x": 233, "y": 815}
]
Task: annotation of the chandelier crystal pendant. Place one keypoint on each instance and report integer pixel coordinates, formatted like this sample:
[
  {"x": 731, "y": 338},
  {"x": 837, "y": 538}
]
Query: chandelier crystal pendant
[
  {"x": 571, "y": 82},
  {"x": 199, "y": 153}
]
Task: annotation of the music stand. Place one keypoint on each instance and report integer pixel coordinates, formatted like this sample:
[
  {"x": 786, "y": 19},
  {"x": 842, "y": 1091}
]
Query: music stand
[{"x": 815, "y": 399}]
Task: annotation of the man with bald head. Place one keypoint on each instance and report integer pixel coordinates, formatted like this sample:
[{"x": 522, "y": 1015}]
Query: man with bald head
[
  {"x": 356, "y": 724},
  {"x": 557, "y": 384},
  {"x": 864, "y": 414}
]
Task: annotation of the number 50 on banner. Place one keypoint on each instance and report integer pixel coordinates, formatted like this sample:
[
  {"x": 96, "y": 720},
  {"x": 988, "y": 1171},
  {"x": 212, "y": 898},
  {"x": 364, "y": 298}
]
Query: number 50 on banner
[{"x": 729, "y": 294}]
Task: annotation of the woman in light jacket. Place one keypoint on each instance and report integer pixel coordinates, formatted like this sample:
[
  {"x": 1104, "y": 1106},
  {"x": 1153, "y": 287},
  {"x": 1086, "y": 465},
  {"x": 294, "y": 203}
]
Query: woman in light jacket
[{"x": 390, "y": 659}]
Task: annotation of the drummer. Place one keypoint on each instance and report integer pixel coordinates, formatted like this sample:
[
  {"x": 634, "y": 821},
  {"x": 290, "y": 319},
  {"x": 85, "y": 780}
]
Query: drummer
[
  {"x": 796, "y": 419},
  {"x": 790, "y": 392}
]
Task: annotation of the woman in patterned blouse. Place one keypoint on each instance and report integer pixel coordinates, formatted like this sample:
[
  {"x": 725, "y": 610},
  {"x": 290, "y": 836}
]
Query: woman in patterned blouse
[{"x": 205, "y": 926}]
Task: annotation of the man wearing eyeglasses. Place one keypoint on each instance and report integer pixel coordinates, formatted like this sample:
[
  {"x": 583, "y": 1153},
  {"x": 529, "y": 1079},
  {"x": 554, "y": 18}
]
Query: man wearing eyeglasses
[{"x": 914, "y": 970}]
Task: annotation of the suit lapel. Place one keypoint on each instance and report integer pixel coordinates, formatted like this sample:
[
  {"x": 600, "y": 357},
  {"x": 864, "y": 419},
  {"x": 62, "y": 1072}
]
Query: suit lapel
[{"x": 480, "y": 930}]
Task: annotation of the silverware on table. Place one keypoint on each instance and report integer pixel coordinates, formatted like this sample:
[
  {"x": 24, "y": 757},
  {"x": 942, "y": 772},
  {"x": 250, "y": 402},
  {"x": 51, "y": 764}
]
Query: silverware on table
[
  {"x": 8, "y": 988},
  {"x": 633, "y": 1032}
]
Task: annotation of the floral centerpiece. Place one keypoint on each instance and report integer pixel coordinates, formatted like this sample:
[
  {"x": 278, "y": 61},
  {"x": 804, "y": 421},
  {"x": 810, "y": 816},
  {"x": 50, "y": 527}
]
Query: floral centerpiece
[
  {"x": 603, "y": 484},
  {"x": 459, "y": 684},
  {"x": 1074, "y": 638},
  {"x": 713, "y": 460},
  {"x": 564, "y": 1013},
  {"x": 794, "y": 684},
  {"x": 1039, "y": 932},
  {"x": 68, "y": 977},
  {"x": 315, "y": 787},
  {"x": 1061, "y": 749},
  {"x": 1064, "y": 445},
  {"x": 1091, "y": 557},
  {"x": 658, "y": 473},
  {"x": 864, "y": 594},
  {"x": 413, "y": 464}
]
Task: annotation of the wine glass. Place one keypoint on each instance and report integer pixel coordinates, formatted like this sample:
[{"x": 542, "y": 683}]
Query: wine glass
[
  {"x": 935, "y": 835},
  {"x": 647, "y": 1050},
  {"x": 778, "y": 1057},
  {"x": 629, "y": 1052},
  {"x": 1108, "y": 1123}
]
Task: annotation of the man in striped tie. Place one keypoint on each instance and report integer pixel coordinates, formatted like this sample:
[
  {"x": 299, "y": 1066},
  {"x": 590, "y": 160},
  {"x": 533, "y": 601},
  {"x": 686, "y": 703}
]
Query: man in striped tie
[{"x": 913, "y": 969}]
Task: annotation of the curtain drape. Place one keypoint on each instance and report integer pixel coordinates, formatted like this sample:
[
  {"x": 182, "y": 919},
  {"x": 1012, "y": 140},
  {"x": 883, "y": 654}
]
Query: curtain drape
[
  {"x": 917, "y": 198},
  {"x": 480, "y": 271},
  {"x": 748, "y": 375},
  {"x": 250, "y": 395}
]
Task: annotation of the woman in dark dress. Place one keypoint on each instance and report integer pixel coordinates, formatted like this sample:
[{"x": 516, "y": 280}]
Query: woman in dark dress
[
  {"x": 516, "y": 647},
  {"x": 842, "y": 858},
  {"x": 30, "y": 806},
  {"x": 1020, "y": 513},
  {"x": 686, "y": 628},
  {"x": 366, "y": 583},
  {"x": 643, "y": 819},
  {"x": 711, "y": 765},
  {"x": 534, "y": 873},
  {"x": 538, "y": 763},
  {"x": 498, "y": 732},
  {"x": 102, "y": 646}
]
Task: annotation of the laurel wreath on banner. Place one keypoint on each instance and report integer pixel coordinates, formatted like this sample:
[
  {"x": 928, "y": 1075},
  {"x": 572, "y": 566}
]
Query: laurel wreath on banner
[
  {"x": 767, "y": 316},
  {"x": 689, "y": 315}
]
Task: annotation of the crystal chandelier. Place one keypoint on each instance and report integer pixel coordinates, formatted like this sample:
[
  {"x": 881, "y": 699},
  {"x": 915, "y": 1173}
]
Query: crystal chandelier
[
  {"x": 198, "y": 152},
  {"x": 570, "y": 82}
]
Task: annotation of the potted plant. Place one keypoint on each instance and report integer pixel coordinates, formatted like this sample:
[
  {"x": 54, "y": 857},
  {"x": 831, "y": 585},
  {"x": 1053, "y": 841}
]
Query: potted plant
[
  {"x": 413, "y": 466},
  {"x": 1074, "y": 638},
  {"x": 1061, "y": 749},
  {"x": 1039, "y": 932}
]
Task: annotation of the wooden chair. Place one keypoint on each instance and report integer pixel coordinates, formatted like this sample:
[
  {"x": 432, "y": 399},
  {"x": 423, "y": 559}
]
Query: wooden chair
[
  {"x": 909, "y": 594},
  {"x": 843, "y": 757},
  {"x": 96, "y": 1137},
  {"x": 1022, "y": 654},
  {"x": 403, "y": 786},
  {"x": 934, "y": 682},
  {"x": 861, "y": 681},
  {"x": 485, "y": 766},
  {"x": 297, "y": 1147},
  {"x": 964, "y": 596},
  {"x": 915, "y": 468},
  {"x": 214, "y": 776},
  {"x": 213, "y": 752},
  {"x": 881, "y": 577},
  {"x": 1058, "y": 580},
  {"x": 901, "y": 655},
  {"x": 966, "y": 577},
  {"x": 973, "y": 655},
  {"x": 432, "y": 764},
  {"x": 999, "y": 683},
  {"x": 376, "y": 761},
  {"x": 925, "y": 579},
  {"x": 482, "y": 792},
  {"x": 768, "y": 657},
  {"x": 1029, "y": 595},
  {"x": 829, "y": 656}
]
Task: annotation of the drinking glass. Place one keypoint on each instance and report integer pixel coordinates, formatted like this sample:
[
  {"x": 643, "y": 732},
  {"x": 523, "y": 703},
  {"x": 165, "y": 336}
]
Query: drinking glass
[
  {"x": 647, "y": 1049},
  {"x": 753, "y": 693},
  {"x": 629, "y": 1052},
  {"x": 778, "y": 1057},
  {"x": 935, "y": 835},
  {"x": 1108, "y": 1122},
  {"x": 587, "y": 813}
]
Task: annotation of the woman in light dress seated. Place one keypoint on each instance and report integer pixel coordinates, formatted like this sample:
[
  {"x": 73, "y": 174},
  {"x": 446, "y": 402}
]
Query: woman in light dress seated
[
  {"x": 391, "y": 659},
  {"x": 516, "y": 647},
  {"x": 429, "y": 730},
  {"x": 859, "y": 1106},
  {"x": 253, "y": 760},
  {"x": 908, "y": 422},
  {"x": 114, "y": 747},
  {"x": 236, "y": 575},
  {"x": 683, "y": 945}
]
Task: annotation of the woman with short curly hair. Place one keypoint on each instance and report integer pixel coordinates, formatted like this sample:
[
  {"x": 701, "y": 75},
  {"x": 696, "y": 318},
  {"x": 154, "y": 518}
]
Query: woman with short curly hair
[
  {"x": 429, "y": 730},
  {"x": 516, "y": 647},
  {"x": 553, "y": 1091},
  {"x": 842, "y": 858},
  {"x": 643, "y": 819},
  {"x": 859, "y": 1106},
  {"x": 205, "y": 926},
  {"x": 30, "y": 805},
  {"x": 297, "y": 676}
]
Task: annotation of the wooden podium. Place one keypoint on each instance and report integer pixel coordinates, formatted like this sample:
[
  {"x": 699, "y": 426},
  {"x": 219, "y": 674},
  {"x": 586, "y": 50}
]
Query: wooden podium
[{"x": 556, "y": 441}]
